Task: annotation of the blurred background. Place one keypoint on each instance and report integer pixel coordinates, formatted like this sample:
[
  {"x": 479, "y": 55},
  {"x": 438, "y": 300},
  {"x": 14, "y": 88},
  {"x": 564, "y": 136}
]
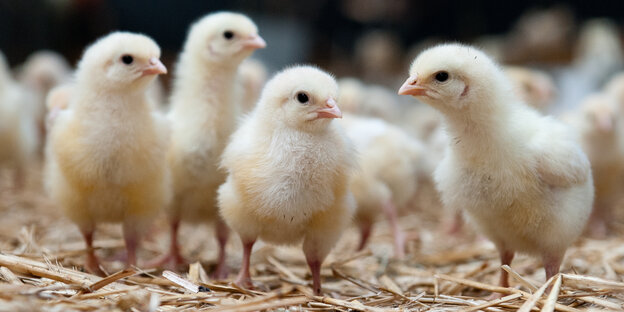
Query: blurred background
[{"x": 371, "y": 39}]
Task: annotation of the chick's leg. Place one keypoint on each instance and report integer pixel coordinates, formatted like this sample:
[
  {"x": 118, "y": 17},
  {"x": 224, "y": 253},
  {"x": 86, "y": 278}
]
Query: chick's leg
[
  {"x": 399, "y": 237},
  {"x": 92, "y": 263},
  {"x": 365, "y": 231},
  {"x": 131, "y": 238},
  {"x": 244, "y": 278},
  {"x": 173, "y": 258},
  {"x": 506, "y": 256},
  {"x": 222, "y": 232}
]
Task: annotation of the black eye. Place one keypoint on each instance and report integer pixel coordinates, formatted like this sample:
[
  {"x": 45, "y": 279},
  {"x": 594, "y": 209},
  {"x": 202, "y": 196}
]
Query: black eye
[
  {"x": 442, "y": 76},
  {"x": 127, "y": 59},
  {"x": 228, "y": 34},
  {"x": 302, "y": 98}
]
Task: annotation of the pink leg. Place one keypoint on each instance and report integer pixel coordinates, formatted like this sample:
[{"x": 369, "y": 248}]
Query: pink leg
[
  {"x": 19, "y": 180},
  {"x": 552, "y": 263},
  {"x": 131, "y": 238},
  {"x": 365, "y": 231},
  {"x": 222, "y": 232},
  {"x": 92, "y": 263},
  {"x": 315, "y": 268},
  {"x": 174, "y": 258},
  {"x": 506, "y": 257},
  {"x": 457, "y": 224},
  {"x": 399, "y": 237},
  {"x": 244, "y": 278}
]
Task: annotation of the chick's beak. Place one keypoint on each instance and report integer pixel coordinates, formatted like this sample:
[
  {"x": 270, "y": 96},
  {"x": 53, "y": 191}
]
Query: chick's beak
[
  {"x": 330, "y": 110},
  {"x": 605, "y": 124},
  {"x": 411, "y": 87},
  {"x": 155, "y": 67},
  {"x": 254, "y": 42}
]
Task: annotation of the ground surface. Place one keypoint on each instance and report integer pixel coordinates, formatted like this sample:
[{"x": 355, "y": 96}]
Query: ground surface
[{"x": 42, "y": 255}]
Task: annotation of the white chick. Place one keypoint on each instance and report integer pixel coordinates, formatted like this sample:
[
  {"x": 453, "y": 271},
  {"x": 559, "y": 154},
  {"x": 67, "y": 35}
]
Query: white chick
[
  {"x": 289, "y": 168},
  {"x": 18, "y": 128},
  {"x": 521, "y": 177},
  {"x": 534, "y": 87},
  {"x": 600, "y": 131},
  {"x": 252, "y": 75},
  {"x": 107, "y": 153},
  {"x": 368, "y": 100},
  {"x": 390, "y": 164},
  {"x": 203, "y": 115},
  {"x": 42, "y": 71}
]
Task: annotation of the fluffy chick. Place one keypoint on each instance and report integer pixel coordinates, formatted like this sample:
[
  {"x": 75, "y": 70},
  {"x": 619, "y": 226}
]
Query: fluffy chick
[
  {"x": 107, "y": 153},
  {"x": 203, "y": 115},
  {"x": 18, "y": 128},
  {"x": 252, "y": 75},
  {"x": 521, "y": 178},
  {"x": 600, "y": 131},
  {"x": 289, "y": 168},
  {"x": 534, "y": 87},
  {"x": 390, "y": 165}
]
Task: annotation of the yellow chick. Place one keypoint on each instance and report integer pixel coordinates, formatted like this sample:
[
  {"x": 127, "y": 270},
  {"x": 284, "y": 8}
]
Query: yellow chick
[
  {"x": 18, "y": 127},
  {"x": 203, "y": 115},
  {"x": 390, "y": 163},
  {"x": 289, "y": 168},
  {"x": 107, "y": 152},
  {"x": 521, "y": 177}
]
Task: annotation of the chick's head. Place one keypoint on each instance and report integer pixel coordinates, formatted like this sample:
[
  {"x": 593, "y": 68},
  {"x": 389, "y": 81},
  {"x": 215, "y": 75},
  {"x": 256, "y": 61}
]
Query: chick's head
[
  {"x": 223, "y": 38},
  {"x": 301, "y": 97},
  {"x": 454, "y": 76},
  {"x": 600, "y": 112},
  {"x": 121, "y": 61}
]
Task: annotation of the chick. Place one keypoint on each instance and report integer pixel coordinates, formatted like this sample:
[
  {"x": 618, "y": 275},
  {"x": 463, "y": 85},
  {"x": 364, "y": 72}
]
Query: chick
[
  {"x": 107, "y": 153},
  {"x": 521, "y": 178},
  {"x": 18, "y": 128},
  {"x": 252, "y": 76},
  {"x": 534, "y": 87},
  {"x": 289, "y": 168},
  {"x": 600, "y": 130},
  {"x": 203, "y": 115},
  {"x": 42, "y": 71},
  {"x": 390, "y": 164}
]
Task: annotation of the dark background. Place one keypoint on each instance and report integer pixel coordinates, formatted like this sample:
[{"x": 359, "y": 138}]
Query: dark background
[{"x": 297, "y": 31}]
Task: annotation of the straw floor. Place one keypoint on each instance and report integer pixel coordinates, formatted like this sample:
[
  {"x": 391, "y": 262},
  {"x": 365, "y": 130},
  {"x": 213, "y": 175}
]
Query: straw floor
[{"x": 41, "y": 256}]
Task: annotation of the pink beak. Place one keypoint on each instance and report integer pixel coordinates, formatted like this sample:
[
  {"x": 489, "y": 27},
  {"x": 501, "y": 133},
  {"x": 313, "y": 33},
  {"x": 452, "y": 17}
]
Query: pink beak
[
  {"x": 155, "y": 67},
  {"x": 411, "y": 87},
  {"x": 605, "y": 124},
  {"x": 254, "y": 42},
  {"x": 330, "y": 110}
]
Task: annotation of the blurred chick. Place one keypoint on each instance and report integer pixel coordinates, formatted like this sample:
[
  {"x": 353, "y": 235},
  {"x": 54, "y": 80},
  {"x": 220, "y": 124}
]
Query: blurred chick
[
  {"x": 42, "y": 71},
  {"x": 601, "y": 139},
  {"x": 534, "y": 87},
  {"x": 390, "y": 164},
  {"x": 252, "y": 75},
  {"x": 18, "y": 128},
  {"x": 521, "y": 178},
  {"x": 203, "y": 115},
  {"x": 289, "y": 168},
  {"x": 107, "y": 153},
  {"x": 368, "y": 100}
]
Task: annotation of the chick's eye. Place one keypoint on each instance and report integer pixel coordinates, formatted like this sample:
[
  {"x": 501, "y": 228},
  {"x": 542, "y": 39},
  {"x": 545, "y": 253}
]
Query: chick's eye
[
  {"x": 302, "y": 98},
  {"x": 228, "y": 34},
  {"x": 127, "y": 59},
  {"x": 442, "y": 76}
]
